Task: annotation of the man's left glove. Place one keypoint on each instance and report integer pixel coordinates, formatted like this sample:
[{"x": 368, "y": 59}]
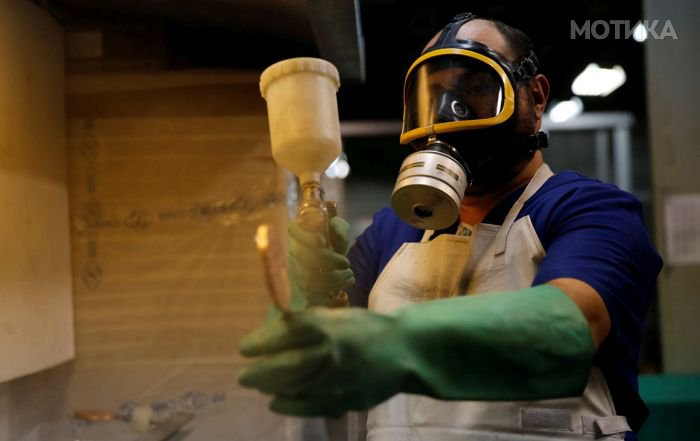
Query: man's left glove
[{"x": 314, "y": 358}]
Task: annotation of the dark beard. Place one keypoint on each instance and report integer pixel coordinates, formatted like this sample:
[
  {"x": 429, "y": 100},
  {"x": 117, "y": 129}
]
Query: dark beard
[{"x": 494, "y": 157}]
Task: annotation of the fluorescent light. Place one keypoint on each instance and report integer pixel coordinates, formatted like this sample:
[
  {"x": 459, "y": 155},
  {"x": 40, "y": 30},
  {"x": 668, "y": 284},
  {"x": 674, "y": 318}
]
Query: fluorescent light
[
  {"x": 640, "y": 33},
  {"x": 596, "y": 81},
  {"x": 566, "y": 110},
  {"x": 340, "y": 168}
]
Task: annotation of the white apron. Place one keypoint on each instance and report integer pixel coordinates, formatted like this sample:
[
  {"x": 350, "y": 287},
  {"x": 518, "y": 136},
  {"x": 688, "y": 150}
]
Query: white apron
[{"x": 492, "y": 258}]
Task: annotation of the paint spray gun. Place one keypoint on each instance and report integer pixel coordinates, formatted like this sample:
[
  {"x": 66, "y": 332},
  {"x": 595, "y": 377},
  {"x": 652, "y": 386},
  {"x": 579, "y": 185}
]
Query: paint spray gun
[{"x": 305, "y": 136}]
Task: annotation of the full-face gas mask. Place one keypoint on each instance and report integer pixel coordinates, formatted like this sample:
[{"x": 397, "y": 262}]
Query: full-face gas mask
[{"x": 459, "y": 101}]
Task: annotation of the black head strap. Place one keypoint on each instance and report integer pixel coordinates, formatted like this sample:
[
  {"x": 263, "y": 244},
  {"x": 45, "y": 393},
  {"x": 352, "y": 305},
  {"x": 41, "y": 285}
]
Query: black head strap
[
  {"x": 527, "y": 68},
  {"x": 523, "y": 70},
  {"x": 449, "y": 32},
  {"x": 536, "y": 141}
]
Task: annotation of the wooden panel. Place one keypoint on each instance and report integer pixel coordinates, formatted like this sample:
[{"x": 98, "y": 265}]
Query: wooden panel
[
  {"x": 215, "y": 99},
  {"x": 165, "y": 199},
  {"x": 36, "y": 319},
  {"x": 163, "y": 213}
]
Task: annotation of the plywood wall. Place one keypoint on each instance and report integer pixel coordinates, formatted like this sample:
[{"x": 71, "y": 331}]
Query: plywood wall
[
  {"x": 170, "y": 174},
  {"x": 160, "y": 186},
  {"x": 36, "y": 316}
]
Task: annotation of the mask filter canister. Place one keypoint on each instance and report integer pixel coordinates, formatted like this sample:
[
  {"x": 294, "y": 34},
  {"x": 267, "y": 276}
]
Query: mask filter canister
[{"x": 429, "y": 190}]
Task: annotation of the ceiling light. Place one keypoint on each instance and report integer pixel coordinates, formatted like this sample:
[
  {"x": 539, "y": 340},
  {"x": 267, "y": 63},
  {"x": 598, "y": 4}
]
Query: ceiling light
[
  {"x": 566, "y": 110},
  {"x": 640, "y": 33},
  {"x": 340, "y": 168},
  {"x": 597, "y": 81}
]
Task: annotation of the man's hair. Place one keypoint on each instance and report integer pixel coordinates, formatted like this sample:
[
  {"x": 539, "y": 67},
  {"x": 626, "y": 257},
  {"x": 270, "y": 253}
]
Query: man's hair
[{"x": 519, "y": 43}]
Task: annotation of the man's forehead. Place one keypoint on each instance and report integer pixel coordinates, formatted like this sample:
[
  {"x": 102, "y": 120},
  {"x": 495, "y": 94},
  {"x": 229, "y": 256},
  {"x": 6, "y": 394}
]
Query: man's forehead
[{"x": 484, "y": 32}]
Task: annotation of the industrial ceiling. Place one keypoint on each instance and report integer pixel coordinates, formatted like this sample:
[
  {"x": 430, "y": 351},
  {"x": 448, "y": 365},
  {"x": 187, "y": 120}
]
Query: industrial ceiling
[
  {"x": 333, "y": 26},
  {"x": 255, "y": 33}
]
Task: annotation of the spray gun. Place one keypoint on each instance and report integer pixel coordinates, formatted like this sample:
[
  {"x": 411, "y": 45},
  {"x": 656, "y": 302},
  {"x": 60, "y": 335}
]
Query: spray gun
[{"x": 305, "y": 135}]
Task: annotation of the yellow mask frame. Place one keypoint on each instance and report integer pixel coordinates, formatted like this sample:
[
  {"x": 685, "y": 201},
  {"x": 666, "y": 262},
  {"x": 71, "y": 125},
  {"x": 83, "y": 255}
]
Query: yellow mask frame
[{"x": 455, "y": 126}]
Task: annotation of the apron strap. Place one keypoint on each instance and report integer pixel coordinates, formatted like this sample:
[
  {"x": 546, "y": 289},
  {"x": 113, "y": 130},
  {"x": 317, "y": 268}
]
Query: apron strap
[
  {"x": 427, "y": 235},
  {"x": 610, "y": 425},
  {"x": 543, "y": 173}
]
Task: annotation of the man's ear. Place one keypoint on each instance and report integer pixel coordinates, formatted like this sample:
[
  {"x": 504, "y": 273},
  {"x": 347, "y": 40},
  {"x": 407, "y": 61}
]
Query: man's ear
[{"x": 540, "y": 94}]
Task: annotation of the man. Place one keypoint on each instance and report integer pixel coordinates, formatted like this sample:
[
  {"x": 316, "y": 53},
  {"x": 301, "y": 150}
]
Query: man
[{"x": 562, "y": 266}]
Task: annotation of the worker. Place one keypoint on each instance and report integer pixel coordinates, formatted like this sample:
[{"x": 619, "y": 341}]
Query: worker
[{"x": 515, "y": 313}]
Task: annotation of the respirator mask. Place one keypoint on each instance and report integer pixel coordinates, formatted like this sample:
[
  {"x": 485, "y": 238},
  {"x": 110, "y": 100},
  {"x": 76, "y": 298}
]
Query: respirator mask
[{"x": 459, "y": 101}]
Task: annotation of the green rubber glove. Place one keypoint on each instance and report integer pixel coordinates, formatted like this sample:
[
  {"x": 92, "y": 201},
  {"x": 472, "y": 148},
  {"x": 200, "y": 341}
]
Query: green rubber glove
[
  {"x": 316, "y": 271},
  {"x": 524, "y": 345}
]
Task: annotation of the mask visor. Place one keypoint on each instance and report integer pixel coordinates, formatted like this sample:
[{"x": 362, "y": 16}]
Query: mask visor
[{"x": 452, "y": 92}]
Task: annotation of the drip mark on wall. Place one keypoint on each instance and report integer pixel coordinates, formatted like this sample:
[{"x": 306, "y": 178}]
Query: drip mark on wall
[
  {"x": 92, "y": 210},
  {"x": 92, "y": 218}
]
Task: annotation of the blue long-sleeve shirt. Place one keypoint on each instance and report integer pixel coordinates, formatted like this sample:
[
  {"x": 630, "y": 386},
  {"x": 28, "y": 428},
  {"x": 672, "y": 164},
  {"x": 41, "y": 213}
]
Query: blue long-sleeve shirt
[{"x": 591, "y": 231}]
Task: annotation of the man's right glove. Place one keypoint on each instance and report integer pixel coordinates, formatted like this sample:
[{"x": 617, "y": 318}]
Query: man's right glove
[
  {"x": 530, "y": 344},
  {"x": 317, "y": 272}
]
